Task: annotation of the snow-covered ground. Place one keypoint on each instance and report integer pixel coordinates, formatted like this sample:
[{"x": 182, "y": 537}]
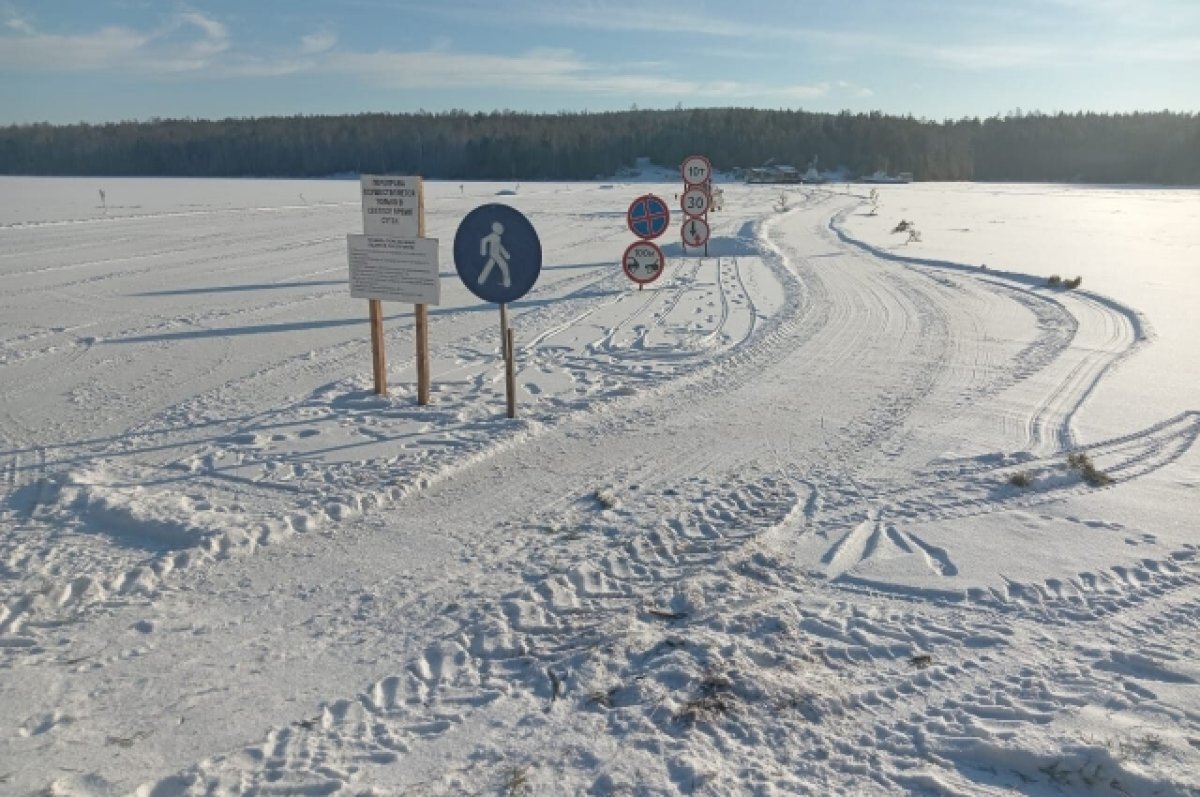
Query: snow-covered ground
[{"x": 752, "y": 531}]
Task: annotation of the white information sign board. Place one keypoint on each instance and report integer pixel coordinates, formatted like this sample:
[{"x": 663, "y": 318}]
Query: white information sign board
[
  {"x": 394, "y": 269},
  {"x": 391, "y": 205}
]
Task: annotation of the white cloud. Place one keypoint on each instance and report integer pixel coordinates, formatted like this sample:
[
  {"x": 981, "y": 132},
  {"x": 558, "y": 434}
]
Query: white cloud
[
  {"x": 187, "y": 43},
  {"x": 854, "y": 90},
  {"x": 190, "y": 43},
  {"x": 990, "y": 48},
  {"x": 193, "y": 43},
  {"x": 315, "y": 43},
  {"x": 14, "y": 21},
  {"x": 803, "y": 92},
  {"x": 105, "y": 48},
  {"x": 539, "y": 70},
  {"x": 215, "y": 33},
  {"x": 1014, "y": 55}
]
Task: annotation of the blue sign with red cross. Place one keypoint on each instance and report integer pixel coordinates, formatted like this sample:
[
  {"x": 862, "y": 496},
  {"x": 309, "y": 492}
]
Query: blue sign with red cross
[{"x": 648, "y": 217}]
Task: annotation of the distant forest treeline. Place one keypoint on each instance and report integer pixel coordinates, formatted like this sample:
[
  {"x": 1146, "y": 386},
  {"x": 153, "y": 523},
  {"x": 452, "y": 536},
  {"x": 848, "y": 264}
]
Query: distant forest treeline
[{"x": 1159, "y": 147}]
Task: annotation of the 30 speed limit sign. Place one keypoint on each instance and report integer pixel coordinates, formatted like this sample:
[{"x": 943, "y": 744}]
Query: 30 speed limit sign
[
  {"x": 643, "y": 262},
  {"x": 695, "y": 201},
  {"x": 696, "y": 170}
]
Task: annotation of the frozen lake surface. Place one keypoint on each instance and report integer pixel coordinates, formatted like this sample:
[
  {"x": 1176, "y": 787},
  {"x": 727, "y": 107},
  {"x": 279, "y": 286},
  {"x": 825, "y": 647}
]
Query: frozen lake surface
[{"x": 754, "y": 530}]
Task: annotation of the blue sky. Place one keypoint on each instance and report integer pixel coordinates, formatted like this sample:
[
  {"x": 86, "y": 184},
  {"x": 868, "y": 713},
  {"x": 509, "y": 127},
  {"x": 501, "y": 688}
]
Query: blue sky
[{"x": 107, "y": 60}]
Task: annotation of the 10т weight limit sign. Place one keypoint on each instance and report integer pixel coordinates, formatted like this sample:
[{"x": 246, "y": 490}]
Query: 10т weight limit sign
[{"x": 696, "y": 170}]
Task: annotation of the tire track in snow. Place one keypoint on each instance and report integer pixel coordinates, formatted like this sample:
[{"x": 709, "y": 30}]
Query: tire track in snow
[{"x": 1106, "y": 334}]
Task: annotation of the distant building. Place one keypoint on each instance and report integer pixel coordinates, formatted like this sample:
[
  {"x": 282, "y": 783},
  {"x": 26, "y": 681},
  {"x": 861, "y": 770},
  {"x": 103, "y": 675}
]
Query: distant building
[
  {"x": 884, "y": 177},
  {"x": 774, "y": 173}
]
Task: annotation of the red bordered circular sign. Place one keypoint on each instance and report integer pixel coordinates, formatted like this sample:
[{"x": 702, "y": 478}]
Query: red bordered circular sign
[
  {"x": 648, "y": 216},
  {"x": 694, "y": 231},
  {"x": 696, "y": 170},
  {"x": 695, "y": 202},
  {"x": 643, "y": 262}
]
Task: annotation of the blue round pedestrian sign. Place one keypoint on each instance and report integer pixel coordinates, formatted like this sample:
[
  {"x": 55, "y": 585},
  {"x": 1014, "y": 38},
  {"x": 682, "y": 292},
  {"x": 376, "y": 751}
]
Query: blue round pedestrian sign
[
  {"x": 497, "y": 253},
  {"x": 648, "y": 217}
]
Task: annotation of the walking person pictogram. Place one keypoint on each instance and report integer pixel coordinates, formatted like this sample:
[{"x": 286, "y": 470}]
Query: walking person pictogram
[{"x": 497, "y": 255}]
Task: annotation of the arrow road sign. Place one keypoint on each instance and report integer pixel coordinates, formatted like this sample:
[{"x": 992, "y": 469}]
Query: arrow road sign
[
  {"x": 695, "y": 232},
  {"x": 696, "y": 170},
  {"x": 643, "y": 262},
  {"x": 648, "y": 216},
  {"x": 497, "y": 253},
  {"x": 695, "y": 202}
]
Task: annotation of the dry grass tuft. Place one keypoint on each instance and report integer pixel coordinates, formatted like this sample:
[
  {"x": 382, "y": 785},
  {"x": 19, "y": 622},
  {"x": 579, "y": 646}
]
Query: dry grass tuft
[
  {"x": 714, "y": 699},
  {"x": 1091, "y": 474},
  {"x": 516, "y": 782},
  {"x": 1021, "y": 478}
]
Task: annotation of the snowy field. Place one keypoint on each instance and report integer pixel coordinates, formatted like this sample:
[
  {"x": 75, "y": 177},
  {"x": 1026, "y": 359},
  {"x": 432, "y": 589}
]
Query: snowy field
[{"x": 753, "y": 531}]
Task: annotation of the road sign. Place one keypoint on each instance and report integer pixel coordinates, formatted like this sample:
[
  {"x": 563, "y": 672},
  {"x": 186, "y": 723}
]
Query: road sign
[
  {"x": 391, "y": 205},
  {"x": 695, "y": 202},
  {"x": 696, "y": 170},
  {"x": 695, "y": 232},
  {"x": 394, "y": 269},
  {"x": 643, "y": 262},
  {"x": 648, "y": 216},
  {"x": 497, "y": 253}
]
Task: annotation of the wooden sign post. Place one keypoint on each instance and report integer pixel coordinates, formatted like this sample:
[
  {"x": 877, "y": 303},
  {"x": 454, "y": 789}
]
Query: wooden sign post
[
  {"x": 394, "y": 261},
  {"x": 378, "y": 356},
  {"x": 422, "y": 313},
  {"x": 504, "y": 329},
  {"x": 510, "y": 374},
  {"x": 506, "y": 347}
]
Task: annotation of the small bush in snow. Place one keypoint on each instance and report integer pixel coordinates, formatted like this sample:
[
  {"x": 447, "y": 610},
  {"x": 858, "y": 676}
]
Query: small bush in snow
[
  {"x": 713, "y": 699},
  {"x": 1138, "y": 747},
  {"x": 606, "y": 499},
  {"x": 1069, "y": 284},
  {"x": 516, "y": 782},
  {"x": 1054, "y": 281},
  {"x": 1090, "y": 473},
  {"x": 902, "y": 226},
  {"x": 1022, "y": 478}
]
